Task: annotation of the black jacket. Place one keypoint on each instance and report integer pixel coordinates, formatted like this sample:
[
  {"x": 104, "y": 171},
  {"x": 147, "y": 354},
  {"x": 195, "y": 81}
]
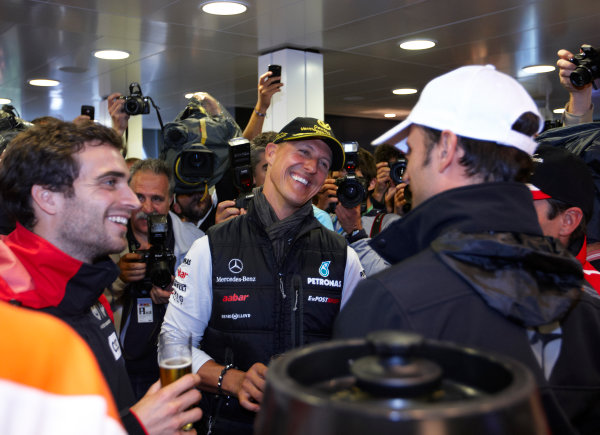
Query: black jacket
[{"x": 471, "y": 266}]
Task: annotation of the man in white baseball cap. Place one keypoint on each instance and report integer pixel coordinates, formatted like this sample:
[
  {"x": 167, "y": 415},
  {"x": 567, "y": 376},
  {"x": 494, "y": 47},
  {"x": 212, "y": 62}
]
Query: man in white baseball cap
[{"x": 470, "y": 263}]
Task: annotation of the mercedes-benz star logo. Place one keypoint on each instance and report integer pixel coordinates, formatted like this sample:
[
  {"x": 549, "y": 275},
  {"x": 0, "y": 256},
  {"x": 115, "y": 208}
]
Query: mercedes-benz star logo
[{"x": 235, "y": 265}]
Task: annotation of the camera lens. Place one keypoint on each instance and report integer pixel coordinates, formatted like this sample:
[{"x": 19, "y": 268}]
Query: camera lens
[
  {"x": 581, "y": 76},
  {"x": 397, "y": 171},
  {"x": 351, "y": 192},
  {"x": 132, "y": 106}
]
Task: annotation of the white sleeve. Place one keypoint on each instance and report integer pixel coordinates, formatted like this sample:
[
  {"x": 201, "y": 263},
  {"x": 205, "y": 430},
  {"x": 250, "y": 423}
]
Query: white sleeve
[
  {"x": 352, "y": 275},
  {"x": 190, "y": 304}
]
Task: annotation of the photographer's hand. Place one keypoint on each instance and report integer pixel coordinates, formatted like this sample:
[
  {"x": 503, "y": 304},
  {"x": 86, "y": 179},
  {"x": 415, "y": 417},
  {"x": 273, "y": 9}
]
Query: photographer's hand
[
  {"x": 132, "y": 267},
  {"x": 382, "y": 181},
  {"x": 327, "y": 194},
  {"x": 160, "y": 296},
  {"x": 227, "y": 210},
  {"x": 349, "y": 218},
  {"x": 580, "y": 99},
  {"x": 266, "y": 90},
  {"x": 120, "y": 119},
  {"x": 210, "y": 104}
]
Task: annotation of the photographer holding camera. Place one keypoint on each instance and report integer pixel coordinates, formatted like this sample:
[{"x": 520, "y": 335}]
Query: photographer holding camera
[
  {"x": 579, "y": 109},
  {"x": 157, "y": 241}
]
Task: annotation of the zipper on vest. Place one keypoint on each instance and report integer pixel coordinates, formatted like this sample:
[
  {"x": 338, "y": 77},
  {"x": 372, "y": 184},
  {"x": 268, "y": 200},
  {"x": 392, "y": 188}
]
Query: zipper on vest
[{"x": 281, "y": 289}]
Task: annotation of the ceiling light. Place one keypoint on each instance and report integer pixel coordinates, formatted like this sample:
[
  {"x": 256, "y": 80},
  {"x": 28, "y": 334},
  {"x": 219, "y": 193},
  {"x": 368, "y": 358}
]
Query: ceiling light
[
  {"x": 538, "y": 69},
  {"x": 5, "y": 101},
  {"x": 417, "y": 44},
  {"x": 44, "y": 82},
  {"x": 404, "y": 91},
  {"x": 224, "y": 7},
  {"x": 560, "y": 110},
  {"x": 111, "y": 54},
  {"x": 390, "y": 115}
]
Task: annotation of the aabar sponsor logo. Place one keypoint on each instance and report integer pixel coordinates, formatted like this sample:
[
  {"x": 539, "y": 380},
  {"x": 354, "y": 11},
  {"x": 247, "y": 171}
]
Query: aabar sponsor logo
[
  {"x": 181, "y": 274},
  {"x": 324, "y": 282},
  {"x": 236, "y": 316},
  {"x": 324, "y": 299},
  {"x": 235, "y": 298}
]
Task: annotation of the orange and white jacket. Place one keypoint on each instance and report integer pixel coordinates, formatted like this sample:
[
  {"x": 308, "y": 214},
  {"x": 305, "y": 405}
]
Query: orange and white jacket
[{"x": 50, "y": 382}]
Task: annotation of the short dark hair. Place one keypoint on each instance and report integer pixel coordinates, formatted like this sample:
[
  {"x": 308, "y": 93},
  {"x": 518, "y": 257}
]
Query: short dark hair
[
  {"x": 156, "y": 166},
  {"x": 386, "y": 153},
  {"x": 263, "y": 139},
  {"x": 366, "y": 164},
  {"x": 490, "y": 160},
  {"x": 577, "y": 236},
  {"x": 45, "y": 155}
]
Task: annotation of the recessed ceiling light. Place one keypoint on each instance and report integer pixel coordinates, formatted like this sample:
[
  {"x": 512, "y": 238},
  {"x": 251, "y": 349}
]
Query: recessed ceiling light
[
  {"x": 111, "y": 54},
  {"x": 390, "y": 115},
  {"x": 538, "y": 69},
  {"x": 417, "y": 44},
  {"x": 44, "y": 82},
  {"x": 5, "y": 101},
  {"x": 404, "y": 91},
  {"x": 229, "y": 7},
  {"x": 560, "y": 110}
]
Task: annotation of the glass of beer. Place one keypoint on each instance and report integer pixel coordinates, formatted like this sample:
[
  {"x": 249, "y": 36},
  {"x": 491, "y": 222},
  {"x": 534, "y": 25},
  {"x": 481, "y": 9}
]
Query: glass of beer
[{"x": 174, "y": 360}]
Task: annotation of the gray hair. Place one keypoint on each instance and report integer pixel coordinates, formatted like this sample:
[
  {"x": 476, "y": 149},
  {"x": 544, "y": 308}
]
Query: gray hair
[{"x": 156, "y": 166}]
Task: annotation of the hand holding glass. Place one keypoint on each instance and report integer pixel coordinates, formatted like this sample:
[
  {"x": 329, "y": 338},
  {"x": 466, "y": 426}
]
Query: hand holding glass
[{"x": 174, "y": 360}]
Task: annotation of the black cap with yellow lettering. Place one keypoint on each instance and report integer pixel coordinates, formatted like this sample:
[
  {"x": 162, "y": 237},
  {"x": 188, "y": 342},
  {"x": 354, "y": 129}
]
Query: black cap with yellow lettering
[{"x": 311, "y": 128}]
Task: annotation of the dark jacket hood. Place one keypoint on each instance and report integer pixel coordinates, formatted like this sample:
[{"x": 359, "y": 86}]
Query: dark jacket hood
[{"x": 489, "y": 235}]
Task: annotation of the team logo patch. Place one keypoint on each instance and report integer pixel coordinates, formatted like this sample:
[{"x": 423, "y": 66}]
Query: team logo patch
[
  {"x": 113, "y": 343},
  {"x": 235, "y": 265},
  {"x": 324, "y": 269}
]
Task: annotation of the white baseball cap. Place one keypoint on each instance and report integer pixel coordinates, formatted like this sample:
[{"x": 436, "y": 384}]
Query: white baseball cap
[{"x": 473, "y": 101}]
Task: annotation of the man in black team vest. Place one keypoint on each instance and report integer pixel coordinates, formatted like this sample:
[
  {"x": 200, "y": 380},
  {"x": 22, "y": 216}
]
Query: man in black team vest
[{"x": 264, "y": 282}]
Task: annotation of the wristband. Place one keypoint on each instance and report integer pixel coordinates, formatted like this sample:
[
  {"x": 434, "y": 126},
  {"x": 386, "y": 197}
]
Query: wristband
[
  {"x": 220, "y": 381},
  {"x": 259, "y": 113},
  {"x": 356, "y": 235}
]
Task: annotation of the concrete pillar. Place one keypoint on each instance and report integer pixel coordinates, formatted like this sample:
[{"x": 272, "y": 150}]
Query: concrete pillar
[{"x": 302, "y": 95}]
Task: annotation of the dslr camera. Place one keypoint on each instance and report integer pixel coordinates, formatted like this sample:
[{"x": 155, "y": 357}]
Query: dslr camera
[
  {"x": 588, "y": 66},
  {"x": 352, "y": 190},
  {"x": 397, "y": 170},
  {"x": 159, "y": 259},
  {"x": 135, "y": 102},
  {"x": 239, "y": 156}
]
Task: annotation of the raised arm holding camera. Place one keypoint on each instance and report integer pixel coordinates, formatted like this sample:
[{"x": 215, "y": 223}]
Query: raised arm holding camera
[{"x": 577, "y": 73}]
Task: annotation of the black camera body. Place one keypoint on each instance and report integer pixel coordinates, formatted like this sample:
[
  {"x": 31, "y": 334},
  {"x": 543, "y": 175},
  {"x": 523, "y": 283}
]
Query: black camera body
[
  {"x": 159, "y": 259},
  {"x": 588, "y": 66},
  {"x": 135, "y": 102},
  {"x": 397, "y": 170},
  {"x": 241, "y": 167},
  {"x": 352, "y": 190}
]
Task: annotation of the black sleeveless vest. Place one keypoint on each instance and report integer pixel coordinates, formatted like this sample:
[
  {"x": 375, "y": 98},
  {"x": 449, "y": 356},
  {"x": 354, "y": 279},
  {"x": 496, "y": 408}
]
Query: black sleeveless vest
[{"x": 260, "y": 309}]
